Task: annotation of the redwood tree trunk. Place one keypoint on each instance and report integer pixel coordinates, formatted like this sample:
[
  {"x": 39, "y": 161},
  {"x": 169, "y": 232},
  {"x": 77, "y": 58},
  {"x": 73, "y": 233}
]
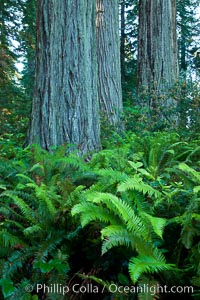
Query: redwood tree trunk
[
  {"x": 108, "y": 56},
  {"x": 65, "y": 106},
  {"x": 122, "y": 40},
  {"x": 157, "y": 54}
]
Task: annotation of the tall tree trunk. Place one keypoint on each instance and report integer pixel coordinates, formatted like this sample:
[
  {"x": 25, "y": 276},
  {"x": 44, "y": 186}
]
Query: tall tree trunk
[
  {"x": 108, "y": 56},
  {"x": 157, "y": 55},
  {"x": 65, "y": 107}
]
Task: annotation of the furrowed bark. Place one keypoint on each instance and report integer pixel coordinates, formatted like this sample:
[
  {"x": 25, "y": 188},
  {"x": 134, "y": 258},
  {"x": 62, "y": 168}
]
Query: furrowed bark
[
  {"x": 65, "y": 107},
  {"x": 157, "y": 51},
  {"x": 108, "y": 56}
]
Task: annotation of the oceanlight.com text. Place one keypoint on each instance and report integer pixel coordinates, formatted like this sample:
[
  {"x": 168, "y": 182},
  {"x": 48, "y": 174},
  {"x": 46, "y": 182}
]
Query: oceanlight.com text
[{"x": 76, "y": 288}]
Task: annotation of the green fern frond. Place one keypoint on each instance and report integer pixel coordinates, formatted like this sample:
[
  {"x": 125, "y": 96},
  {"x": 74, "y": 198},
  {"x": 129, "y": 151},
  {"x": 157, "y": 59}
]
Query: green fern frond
[
  {"x": 32, "y": 230},
  {"x": 74, "y": 161},
  {"x": 10, "y": 211},
  {"x": 115, "y": 236},
  {"x": 26, "y": 178},
  {"x": 61, "y": 256},
  {"x": 192, "y": 152},
  {"x": 121, "y": 209},
  {"x": 8, "y": 223},
  {"x": 111, "y": 176},
  {"x": 48, "y": 246},
  {"x": 166, "y": 158},
  {"x": 191, "y": 172},
  {"x": 90, "y": 212},
  {"x": 14, "y": 262},
  {"x": 43, "y": 194},
  {"x": 147, "y": 264},
  {"x": 74, "y": 196},
  {"x": 9, "y": 240},
  {"x": 25, "y": 209},
  {"x": 36, "y": 167},
  {"x": 158, "y": 224},
  {"x": 136, "y": 183}
]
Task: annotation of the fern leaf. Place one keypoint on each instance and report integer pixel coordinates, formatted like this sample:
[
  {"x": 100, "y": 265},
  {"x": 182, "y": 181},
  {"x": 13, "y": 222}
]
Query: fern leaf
[
  {"x": 158, "y": 224},
  {"x": 27, "y": 178},
  {"x": 91, "y": 212},
  {"x": 137, "y": 184},
  {"x": 16, "y": 224},
  {"x": 119, "y": 237},
  {"x": 25, "y": 209},
  {"x": 32, "y": 230},
  {"x": 37, "y": 166},
  {"x": 15, "y": 261},
  {"x": 42, "y": 194},
  {"x": 48, "y": 245},
  {"x": 121, "y": 209},
  {"x": 194, "y": 175},
  {"x": 147, "y": 264},
  {"x": 9, "y": 240},
  {"x": 111, "y": 176}
]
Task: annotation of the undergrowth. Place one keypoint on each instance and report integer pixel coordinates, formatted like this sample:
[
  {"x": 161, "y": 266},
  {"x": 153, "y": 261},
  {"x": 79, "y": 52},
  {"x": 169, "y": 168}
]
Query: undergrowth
[{"x": 129, "y": 215}]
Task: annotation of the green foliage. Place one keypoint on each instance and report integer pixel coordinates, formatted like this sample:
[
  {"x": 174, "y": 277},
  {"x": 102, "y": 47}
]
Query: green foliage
[
  {"x": 137, "y": 199},
  {"x": 11, "y": 93},
  {"x": 126, "y": 226},
  {"x": 138, "y": 203},
  {"x": 34, "y": 235},
  {"x": 147, "y": 264}
]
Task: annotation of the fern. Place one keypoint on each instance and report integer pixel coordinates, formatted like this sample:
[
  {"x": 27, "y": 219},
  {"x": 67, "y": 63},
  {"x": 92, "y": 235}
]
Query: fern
[
  {"x": 47, "y": 246},
  {"x": 15, "y": 224},
  {"x": 125, "y": 193},
  {"x": 137, "y": 184},
  {"x": 147, "y": 264},
  {"x": 14, "y": 263},
  {"x": 158, "y": 224},
  {"x": 120, "y": 208},
  {"x": 191, "y": 173},
  {"x": 89, "y": 213},
  {"x": 115, "y": 236},
  {"x": 7, "y": 211},
  {"x": 125, "y": 229},
  {"x": 25, "y": 209},
  {"x": 192, "y": 153},
  {"x": 31, "y": 230},
  {"x": 9, "y": 240},
  {"x": 109, "y": 178},
  {"x": 44, "y": 195}
]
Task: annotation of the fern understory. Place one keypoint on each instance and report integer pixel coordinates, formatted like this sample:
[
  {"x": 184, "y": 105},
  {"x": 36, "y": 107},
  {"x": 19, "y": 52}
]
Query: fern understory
[{"x": 128, "y": 215}]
